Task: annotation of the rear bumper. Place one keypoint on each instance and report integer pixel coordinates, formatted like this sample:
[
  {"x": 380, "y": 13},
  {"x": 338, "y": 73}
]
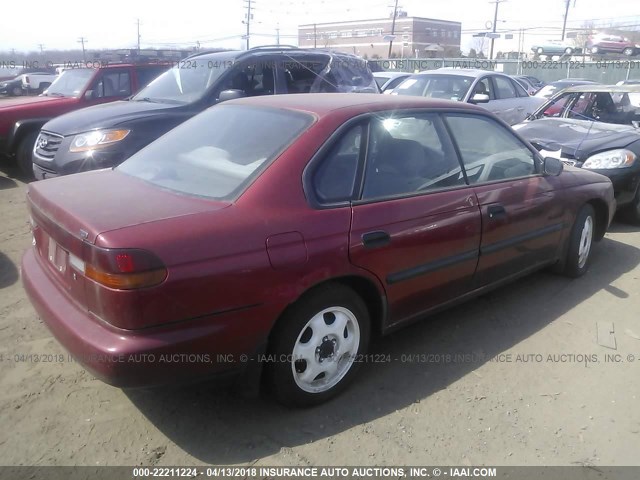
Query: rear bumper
[{"x": 215, "y": 346}]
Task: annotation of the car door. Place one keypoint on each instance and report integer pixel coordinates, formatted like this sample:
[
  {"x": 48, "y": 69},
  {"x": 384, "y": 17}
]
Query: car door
[
  {"x": 415, "y": 223},
  {"x": 522, "y": 210}
]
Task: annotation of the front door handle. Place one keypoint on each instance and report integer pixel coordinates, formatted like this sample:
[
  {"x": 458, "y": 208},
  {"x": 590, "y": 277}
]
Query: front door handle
[
  {"x": 376, "y": 239},
  {"x": 496, "y": 211}
]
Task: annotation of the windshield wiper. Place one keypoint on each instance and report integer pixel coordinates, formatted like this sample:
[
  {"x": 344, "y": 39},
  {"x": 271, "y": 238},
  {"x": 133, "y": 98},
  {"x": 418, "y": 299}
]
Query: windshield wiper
[
  {"x": 55, "y": 94},
  {"x": 147, "y": 99}
]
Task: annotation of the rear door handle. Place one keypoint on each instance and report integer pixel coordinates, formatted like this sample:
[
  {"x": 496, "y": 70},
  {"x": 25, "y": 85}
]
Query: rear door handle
[
  {"x": 376, "y": 239},
  {"x": 496, "y": 211}
]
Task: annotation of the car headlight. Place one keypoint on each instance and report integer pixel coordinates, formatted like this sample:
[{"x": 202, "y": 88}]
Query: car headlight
[
  {"x": 97, "y": 139},
  {"x": 620, "y": 158}
]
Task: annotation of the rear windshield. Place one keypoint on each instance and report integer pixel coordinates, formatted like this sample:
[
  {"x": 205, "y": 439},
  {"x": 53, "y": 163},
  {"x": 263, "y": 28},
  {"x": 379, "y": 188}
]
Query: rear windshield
[
  {"x": 448, "y": 87},
  {"x": 217, "y": 153}
]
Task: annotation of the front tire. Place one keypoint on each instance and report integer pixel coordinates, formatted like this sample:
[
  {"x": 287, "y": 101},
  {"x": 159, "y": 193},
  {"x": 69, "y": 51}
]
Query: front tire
[
  {"x": 16, "y": 91},
  {"x": 568, "y": 51},
  {"x": 581, "y": 243},
  {"x": 595, "y": 50},
  {"x": 628, "y": 51},
  {"x": 632, "y": 212},
  {"x": 314, "y": 348},
  {"x": 24, "y": 154}
]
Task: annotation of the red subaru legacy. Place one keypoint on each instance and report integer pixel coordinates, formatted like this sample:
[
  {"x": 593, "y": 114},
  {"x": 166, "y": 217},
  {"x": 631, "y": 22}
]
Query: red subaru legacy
[{"x": 275, "y": 235}]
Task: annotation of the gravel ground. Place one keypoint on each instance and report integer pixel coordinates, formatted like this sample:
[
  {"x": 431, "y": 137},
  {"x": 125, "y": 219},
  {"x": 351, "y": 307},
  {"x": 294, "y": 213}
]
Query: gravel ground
[{"x": 548, "y": 396}]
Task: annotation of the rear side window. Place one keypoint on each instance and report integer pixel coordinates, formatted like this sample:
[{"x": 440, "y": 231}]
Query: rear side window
[
  {"x": 407, "y": 155},
  {"x": 212, "y": 156},
  {"x": 147, "y": 74},
  {"x": 334, "y": 180},
  {"x": 489, "y": 151}
]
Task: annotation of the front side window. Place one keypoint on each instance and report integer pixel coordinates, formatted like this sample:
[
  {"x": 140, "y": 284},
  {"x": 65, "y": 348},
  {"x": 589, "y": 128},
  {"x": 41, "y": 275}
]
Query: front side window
[
  {"x": 489, "y": 151},
  {"x": 211, "y": 154},
  {"x": 113, "y": 84},
  {"x": 409, "y": 154}
]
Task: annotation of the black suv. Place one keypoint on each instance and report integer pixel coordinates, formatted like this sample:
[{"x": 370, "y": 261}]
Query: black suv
[{"x": 106, "y": 135}]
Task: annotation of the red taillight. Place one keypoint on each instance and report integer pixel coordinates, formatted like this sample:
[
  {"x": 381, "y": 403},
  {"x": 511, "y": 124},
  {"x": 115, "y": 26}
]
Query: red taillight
[{"x": 123, "y": 269}]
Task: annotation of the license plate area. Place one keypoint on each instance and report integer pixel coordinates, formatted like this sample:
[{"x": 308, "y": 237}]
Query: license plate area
[{"x": 57, "y": 256}]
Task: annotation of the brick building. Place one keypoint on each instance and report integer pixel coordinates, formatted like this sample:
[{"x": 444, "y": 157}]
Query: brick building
[{"x": 414, "y": 37}]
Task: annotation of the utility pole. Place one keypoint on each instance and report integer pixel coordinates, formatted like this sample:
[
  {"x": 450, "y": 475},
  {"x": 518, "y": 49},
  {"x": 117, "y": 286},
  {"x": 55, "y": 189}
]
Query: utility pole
[
  {"x": 138, "y": 23},
  {"x": 315, "y": 36},
  {"x": 278, "y": 34},
  {"x": 83, "y": 40},
  {"x": 493, "y": 30},
  {"x": 41, "y": 45},
  {"x": 393, "y": 27},
  {"x": 566, "y": 14},
  {"x": 249, "y": 16}
]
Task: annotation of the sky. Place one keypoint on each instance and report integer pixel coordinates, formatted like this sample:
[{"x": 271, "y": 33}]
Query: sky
[{"x": 218, "y": 23}]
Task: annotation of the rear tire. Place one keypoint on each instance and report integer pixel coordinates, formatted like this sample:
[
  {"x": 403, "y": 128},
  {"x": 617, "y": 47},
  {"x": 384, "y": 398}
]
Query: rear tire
[
  {"x": 595, "y": 50},
  {"x": 321, "y": 335},
  {"x": 540, "y": 50},
  {"x": 16, "y": 91},
  {"x": 628, "y": 51},
  {"x": 24, "y": 154},
  {"x": 568, "y": 51},
  {"x": 580, "y": 243}
]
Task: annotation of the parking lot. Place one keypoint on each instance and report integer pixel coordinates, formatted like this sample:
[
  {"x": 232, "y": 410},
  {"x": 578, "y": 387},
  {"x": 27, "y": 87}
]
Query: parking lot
[{"x": 527, "y": 375}]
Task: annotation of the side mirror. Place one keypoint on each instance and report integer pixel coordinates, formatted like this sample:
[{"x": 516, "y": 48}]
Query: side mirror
[
  {"x": 480, "y": 98},
  {"x": 552, "y": 166},
  {"x": 88, "y": 95},
  {"x": 230, "y": 95}
]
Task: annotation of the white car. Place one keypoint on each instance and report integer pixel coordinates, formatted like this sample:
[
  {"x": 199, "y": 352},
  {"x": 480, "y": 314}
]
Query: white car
[
  {"x": 37, "y": 81},
  {"x": 494, "y": 91}
]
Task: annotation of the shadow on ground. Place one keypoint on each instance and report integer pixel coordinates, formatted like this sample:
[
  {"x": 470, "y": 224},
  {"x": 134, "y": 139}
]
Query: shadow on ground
[
  {"x": 220, "y": 428},
  {"x": 8, "y": 271}
]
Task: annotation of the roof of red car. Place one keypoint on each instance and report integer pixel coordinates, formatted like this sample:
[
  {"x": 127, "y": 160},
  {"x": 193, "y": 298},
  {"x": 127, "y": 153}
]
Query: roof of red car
[{"x": 324, "y": 103}]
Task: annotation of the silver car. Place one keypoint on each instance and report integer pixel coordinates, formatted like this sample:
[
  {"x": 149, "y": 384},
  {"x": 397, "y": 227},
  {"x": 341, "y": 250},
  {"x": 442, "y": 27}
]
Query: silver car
[{"x": 496, "y": 92}]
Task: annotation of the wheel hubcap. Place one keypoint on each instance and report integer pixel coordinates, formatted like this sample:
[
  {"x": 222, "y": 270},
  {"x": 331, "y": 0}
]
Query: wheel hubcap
[
  {"x": 585, "y": 242},
  {"x": 325, "y": 349}
]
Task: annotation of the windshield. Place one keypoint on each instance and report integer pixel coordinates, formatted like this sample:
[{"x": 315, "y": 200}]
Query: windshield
[
  {"x": 607, "y": 107},
  {"x": 70, "y": 83},
  {"x": 184, "y": 83},
  {"x": 211, "y": 154},
  {"x": 449, "y": 87}
]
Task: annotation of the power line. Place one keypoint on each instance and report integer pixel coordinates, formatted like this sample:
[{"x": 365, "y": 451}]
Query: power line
[{"x": 83, "y": 40}]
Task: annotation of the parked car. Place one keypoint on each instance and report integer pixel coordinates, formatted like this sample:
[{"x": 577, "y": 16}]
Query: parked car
[
  {"x": 628, "y": 82},
  {"x": 553, "y": 47},
  {"x": 106, "y": 135},
  {"x": 387, "y": 81},
  {"x": 605, "y": 43},
  {"x": 338, "y": 217},
  {"x": 535, "y": 81},
  {"x": 595, "y": 127},
  {"x": 526, "y": 84},
  {"x": 21, "y": 119},
  {"x": 11, "y": 87},
  {"x": 37, "y": 82},
  {"x": 496, "y": 92},
  {"x": 552, "y": 88},
  {"x": 10, "y": 71}
]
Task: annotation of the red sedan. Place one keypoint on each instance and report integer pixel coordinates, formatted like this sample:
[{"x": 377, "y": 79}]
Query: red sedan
[{"x": 275, "y": 235}]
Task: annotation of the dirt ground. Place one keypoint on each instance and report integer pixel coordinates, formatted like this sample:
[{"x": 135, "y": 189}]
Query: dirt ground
[{"x": 535, "y": 386}]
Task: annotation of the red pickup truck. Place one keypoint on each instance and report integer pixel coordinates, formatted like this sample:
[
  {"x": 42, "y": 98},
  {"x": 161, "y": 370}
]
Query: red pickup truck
[{"x": 21, "y": 118}]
